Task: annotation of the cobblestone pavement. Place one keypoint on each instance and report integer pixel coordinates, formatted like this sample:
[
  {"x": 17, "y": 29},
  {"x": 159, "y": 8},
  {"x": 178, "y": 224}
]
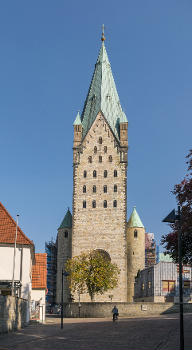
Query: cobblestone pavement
[{"x": 149, "y": 333}]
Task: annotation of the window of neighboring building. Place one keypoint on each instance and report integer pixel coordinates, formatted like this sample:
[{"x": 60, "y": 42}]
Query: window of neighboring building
[
  {"x": 94, "y": 189},
  {"x": 135, "y": 234},
  {"x": 90, "y": 159},
  {"x": 168, "y": 286},
  {"x": 110, "y": 158},
  {"x": 84, "y": 189},
  {"x": 84, "y": 173},
  {"x": 115, "y": 173},
  {"x": 94, "y": 204},
  {"x": 100, "y": 140},
  {"x": 94, "y": 173},
  {"x": 105, "y": 189},
  {"x": 115, "y": 204},
  {"x": 100, "y": 159},
  {"x": 115, "y": 188},
  {"x": 66, "y": 234},
  {"x": 105, "y": 149},
  {"x": 95, "y": 149},
  {"x": 105, "y": 204},
  {"x": 84, "y": 204},
  {"x": 105, "y": 173}
]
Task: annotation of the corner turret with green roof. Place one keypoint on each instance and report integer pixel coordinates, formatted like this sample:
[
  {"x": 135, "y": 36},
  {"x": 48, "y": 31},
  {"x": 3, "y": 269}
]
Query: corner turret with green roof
[
  {"x": 134, "y": 220},
  {"x": 77, "y": 120},
  {"x": 67, "y": 221}
]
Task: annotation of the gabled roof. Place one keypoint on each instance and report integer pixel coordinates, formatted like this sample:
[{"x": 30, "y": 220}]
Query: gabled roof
[
  {"x": 102, "y": 97},
  {"x": 134, "y": 220},
  {"x": 67, "y": 221},
  {"x": 8, "y": 229},
  {"x": 39, "y": 271}
]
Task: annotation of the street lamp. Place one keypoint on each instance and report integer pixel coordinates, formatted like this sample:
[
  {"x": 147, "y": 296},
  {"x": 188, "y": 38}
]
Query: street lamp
[
  {"x": 14, "y": 256},
  {"x": 171, "y": 218},
  {"x": 64, "y": 273}
]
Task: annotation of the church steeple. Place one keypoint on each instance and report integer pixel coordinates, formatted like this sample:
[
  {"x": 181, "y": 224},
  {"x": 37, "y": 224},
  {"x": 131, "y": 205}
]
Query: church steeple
[{"x": 102, "y": 96}]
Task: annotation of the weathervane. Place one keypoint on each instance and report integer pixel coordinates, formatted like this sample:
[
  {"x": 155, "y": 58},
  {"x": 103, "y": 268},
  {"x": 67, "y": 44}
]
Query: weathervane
[{"x": 102, "y": 36}]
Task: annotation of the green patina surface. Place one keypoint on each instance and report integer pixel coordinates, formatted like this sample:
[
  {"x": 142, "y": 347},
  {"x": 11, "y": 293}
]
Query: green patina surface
[
  {"x": 67, "y": 221},
  {"x": 102, "y": 97},
  {"x": 77, "y": 120},
  {"x": 134, "y": 220}
]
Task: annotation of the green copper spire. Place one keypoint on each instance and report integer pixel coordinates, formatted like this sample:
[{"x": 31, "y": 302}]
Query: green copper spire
[
  {"x": 67, "y": 221},
  {"x": 102, "y": 96},
  {"x": 134, "y": 220},
  {"x": 77, "y": 119}
]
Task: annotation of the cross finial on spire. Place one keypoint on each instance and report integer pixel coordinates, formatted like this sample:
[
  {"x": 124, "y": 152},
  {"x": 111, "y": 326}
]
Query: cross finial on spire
[{"x": 102, "y": 36}]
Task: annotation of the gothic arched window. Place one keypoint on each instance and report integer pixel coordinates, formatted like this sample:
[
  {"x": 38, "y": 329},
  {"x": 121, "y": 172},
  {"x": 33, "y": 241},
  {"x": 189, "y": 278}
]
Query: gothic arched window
[
  {"x": 94, "y": 173},
  {"x": 115, "y": 188},
  {"x": 100, "y": 140},
  {"x": 105, "y": 204},
  {"x": 105, "y": 188},
  {"x": 84, "y": 189},
  {"x": 94, "y": 189},
  {"x": 105, "y": 173},
  {"x": 115, "y": 173},
  {"x": 94, "y": 204}
]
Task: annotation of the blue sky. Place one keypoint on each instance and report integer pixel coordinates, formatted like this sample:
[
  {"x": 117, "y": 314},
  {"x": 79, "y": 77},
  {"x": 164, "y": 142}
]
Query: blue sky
[{"x": 48, "y": 51}]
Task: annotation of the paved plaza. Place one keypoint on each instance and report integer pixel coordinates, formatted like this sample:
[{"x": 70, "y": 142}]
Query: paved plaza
[{"x": 148, "y": 333}]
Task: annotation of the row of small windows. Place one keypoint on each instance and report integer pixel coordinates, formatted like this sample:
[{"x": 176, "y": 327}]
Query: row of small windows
[
  {"x": 100, "y": 159},
  {"x": 105, "y": 149},
  {"x": 95, "y": 189},
  {"x": 104, "y": 204},
  {"x": 95, "y": 173}
]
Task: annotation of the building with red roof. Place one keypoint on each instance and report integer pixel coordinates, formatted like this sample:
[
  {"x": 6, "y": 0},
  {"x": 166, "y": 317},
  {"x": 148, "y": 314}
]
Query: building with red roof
[{"x": 39, "y": 286}]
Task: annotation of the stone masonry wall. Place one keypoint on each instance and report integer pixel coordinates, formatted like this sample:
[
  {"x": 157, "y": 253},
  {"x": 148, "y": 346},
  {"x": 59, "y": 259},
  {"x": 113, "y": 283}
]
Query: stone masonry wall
[
  {"x": 13, "y": 313},
  {"x": 125, "y": 309},
  {"x": 101, "y": 228}
]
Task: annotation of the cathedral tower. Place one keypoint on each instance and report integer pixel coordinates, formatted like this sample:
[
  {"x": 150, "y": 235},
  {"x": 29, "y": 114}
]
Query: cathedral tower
[
  {"x": 100, "y": 175},
  {"x": 135, "y": 251}
]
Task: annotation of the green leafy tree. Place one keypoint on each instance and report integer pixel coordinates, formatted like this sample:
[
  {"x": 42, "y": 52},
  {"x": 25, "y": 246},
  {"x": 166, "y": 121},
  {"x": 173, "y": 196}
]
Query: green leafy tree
[
  {"x": 92, "y": 272},
  {"x": 183, "y": 193}
]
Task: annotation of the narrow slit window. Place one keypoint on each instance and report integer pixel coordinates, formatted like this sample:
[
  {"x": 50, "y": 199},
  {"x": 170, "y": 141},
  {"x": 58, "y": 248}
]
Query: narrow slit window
[
  {"x": 84, "y": 189},
  {"x": 105, "y": 173},
  {"x": 94, "y": 204},
  {"x": 110, "y": 159},
  {"x": 135, "y": 234},
  {"x": 94, "y": 189},
  {"x": 66, "y": 234},
  {"x": 84, "y": 204},
  {"x": 100, "y": 140},
  {"x": 115, "y": 173},
  {"x": 115, "y": 188},
  {"x": 105, "y": 188},
  {"x": 90, "y": 159},
  {"x": 105, "y": 204},
  {"x": 94, "y": 173},
  {"x": 105, "y": 149},
  {"x": 84, "y": 173},
  {"x": 95, "y": 149},
  {"x": 115, "y": 204},
  {"x": 100, "y": 159}
]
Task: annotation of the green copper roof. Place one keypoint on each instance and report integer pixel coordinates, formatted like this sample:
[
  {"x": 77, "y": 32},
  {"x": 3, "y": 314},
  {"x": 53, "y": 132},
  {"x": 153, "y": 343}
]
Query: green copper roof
[
  {"x": 77, "y": 120},
  {"x": 102, "y": 96},
  {"x": 134, "y": 220},
  {"x": 67, "y": 221}
]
